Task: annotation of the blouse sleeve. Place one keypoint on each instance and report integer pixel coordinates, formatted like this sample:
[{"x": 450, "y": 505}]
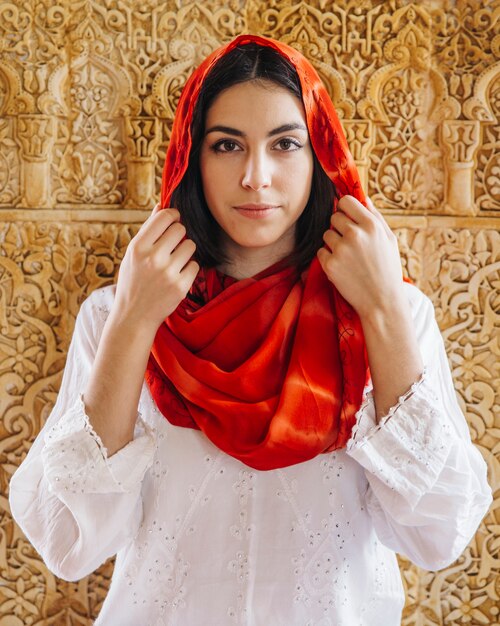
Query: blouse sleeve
[
  {"x": 428, "y": 488},
  {"x": 77, "y": 505}
]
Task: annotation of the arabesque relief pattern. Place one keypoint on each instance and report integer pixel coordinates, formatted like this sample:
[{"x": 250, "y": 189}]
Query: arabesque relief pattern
[{"x": 88, "y": 90}]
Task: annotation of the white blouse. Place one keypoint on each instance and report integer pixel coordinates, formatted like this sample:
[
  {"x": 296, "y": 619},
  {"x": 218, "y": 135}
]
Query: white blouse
[{"x": 203, "y": 540}]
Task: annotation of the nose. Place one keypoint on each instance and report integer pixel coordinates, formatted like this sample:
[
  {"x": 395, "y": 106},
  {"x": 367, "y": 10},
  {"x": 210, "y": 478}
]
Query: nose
[{"x": 257, "y": 172}]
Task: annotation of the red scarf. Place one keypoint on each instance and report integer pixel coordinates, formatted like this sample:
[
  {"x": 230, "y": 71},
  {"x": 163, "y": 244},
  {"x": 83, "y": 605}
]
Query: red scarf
[{"x": 271, "y": 368}]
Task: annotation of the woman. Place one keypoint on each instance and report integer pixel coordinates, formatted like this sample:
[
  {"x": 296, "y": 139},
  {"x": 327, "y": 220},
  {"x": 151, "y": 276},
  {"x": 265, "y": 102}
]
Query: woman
[{"x": 269, "y": 475}]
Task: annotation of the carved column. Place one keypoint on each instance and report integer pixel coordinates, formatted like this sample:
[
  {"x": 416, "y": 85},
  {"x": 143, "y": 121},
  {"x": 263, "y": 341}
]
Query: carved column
[
  {"x": 35, "y": 134},
  {"x": 360, "y": 137},
  {"x": 143, "y": 138},
  {"x": 461, "y": 141}
]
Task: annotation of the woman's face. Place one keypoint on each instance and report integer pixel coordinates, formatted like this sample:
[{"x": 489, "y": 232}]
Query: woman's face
[{"x": 256, "y": 165}]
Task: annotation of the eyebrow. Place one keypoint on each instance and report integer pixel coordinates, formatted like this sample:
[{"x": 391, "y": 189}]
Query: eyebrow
[{"x": 238, "y": 133}]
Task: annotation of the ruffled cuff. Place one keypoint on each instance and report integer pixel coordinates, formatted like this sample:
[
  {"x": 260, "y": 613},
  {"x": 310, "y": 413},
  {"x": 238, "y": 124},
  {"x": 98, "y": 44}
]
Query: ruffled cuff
[
  {"x": 409, "y": 446},
  {"x": 75, "y": 459}
]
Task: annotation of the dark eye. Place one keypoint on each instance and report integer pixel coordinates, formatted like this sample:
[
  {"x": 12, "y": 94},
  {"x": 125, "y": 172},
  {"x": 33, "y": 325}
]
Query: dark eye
[
  {"x": 229, "y": 146},
  {"x": 286, "y": 144}
]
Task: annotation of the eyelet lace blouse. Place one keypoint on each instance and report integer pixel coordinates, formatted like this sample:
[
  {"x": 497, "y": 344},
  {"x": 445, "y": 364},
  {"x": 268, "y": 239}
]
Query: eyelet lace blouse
[{"x": 203, "y": 540}]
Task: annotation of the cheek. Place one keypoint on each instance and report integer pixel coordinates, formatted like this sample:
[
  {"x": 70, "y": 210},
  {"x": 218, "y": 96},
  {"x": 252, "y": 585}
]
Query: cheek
[
  {"x": 215, "y": 176},
  {"x": 299, "y": 178},
  {"x": 209, "y": 179}
]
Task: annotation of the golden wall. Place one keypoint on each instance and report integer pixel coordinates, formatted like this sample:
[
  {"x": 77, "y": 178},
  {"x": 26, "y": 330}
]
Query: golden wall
[{"x": 88, "y": 90}]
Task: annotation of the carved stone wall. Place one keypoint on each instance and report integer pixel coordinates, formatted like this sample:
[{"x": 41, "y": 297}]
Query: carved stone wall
[{"x": 88, "y": 90}]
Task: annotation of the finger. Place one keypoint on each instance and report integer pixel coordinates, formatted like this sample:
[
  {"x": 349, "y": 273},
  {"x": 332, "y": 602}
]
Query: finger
[
  {"x": 181, "y": 256},
  {"x": 169, "y": 240},
  {"x": 154, "y": 211},
  {"x": 353, "y": 208},
  {"x": 189, "y": 273},
  {"x": 341, "y": 222},
  {"x": 324, "y": 257},
  {"x": 154, "y": 227},
  {"x": 331, "y": 239},
  {"x": 187, "y": 277}
]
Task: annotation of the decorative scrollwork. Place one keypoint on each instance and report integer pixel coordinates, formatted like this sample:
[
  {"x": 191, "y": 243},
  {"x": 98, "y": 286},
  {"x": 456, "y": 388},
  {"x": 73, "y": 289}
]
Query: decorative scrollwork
[{"x": 88, "y": 92}]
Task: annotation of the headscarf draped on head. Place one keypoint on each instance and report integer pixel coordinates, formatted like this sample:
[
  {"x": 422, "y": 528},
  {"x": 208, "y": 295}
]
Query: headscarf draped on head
[{"x": 271, "y": 368}]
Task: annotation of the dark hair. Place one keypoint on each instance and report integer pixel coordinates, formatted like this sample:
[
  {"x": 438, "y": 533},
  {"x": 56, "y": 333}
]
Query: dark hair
[{"x": 250, "y": 62}]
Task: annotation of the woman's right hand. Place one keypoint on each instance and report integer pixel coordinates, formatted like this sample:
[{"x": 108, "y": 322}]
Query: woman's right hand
[{"x": 156, "y": 272}]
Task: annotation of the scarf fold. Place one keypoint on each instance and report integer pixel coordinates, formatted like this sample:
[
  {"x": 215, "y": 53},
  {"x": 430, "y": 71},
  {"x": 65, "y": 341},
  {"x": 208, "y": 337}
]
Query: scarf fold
[{"x": 270, "y": 368}]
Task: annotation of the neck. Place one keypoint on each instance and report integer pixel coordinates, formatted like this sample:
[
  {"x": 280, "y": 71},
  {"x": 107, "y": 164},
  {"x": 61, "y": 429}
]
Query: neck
[{"x": 246, "y": 262}]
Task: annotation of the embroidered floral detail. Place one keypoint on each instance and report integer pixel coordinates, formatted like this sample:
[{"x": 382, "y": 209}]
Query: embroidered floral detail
[
  {"x": 166, "y": 578},
  {"x": 365, "y": 417},
  {"x": 76, "y": 460},
  {"x": 332, "y": 468},
  {"x": 409, "y": 446},
  {"x": 75, "y": 419},
  {"x": 244, "y": 486},
  {"x": 243, "y": 527},
  {"x": 240, "y": 567},
  {"x": 165, "y": 581},
  {"x": 320, "y": 567},
  {"x": 244, "y": 489}
]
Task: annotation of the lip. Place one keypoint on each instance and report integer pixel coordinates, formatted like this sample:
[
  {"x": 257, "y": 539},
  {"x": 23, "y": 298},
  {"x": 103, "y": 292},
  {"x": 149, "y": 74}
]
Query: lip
[
  {"x": 256, "y": 211},
  {"x": 256, "y": 206}
]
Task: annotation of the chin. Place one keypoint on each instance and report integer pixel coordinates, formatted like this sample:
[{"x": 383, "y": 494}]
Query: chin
[{"x": 256, "y": 242}]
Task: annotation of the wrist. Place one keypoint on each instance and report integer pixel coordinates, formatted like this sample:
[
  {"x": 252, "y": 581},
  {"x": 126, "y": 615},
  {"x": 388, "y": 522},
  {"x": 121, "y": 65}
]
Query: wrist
[
  {"x": 136, "y": 331},
  {"x": 392, "y": 310}
]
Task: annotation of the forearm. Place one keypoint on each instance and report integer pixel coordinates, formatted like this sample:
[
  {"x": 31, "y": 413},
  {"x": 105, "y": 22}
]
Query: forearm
[
  {"x": 112, "y": 394},
  {"x": 393, "y": 353}
]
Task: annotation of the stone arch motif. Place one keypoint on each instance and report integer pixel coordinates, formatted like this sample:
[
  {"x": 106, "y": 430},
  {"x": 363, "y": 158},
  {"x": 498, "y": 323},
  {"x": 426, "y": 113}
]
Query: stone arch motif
[
  {"x": 9, "y": 151},
  {"x": 89, "y": 160},
  {"x": 483, "y": 108},
  {"x": 186, "y": 53},
  {"x": 10, "y": 89},
  {"x": 406, "y": 100}
]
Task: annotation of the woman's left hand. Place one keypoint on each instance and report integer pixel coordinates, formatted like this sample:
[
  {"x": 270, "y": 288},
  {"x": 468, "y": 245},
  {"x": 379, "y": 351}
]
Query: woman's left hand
[{"x": 361, "y": 257}]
